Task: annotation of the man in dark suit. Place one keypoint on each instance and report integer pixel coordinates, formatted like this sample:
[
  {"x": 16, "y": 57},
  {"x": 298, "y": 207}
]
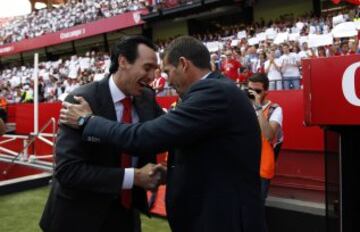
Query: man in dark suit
[
  {"x": 213, "y": 181},
  {"x": 92, "y": 190}
]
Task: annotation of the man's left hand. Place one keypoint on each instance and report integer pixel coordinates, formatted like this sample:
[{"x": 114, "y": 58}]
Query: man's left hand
[
  {"x": 257, "y": 97},
  {"x": 70, "y": 113}
]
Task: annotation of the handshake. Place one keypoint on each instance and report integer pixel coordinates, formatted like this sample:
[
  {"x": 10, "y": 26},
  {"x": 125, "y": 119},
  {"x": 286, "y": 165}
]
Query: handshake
[{"x": 150, "y": 176}]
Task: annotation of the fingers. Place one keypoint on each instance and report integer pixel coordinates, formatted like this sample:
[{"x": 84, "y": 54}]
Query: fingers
[
  {"x": 158, "y": 168},
  {"x": 66, "y": 105},
  {"x": 80, "y": 99},
  {"x": 63, "y": 114},
  {"x": 153, "y": 169},
  {"x": 252, "y": 92},
  {"x": 143, "y": 178}
]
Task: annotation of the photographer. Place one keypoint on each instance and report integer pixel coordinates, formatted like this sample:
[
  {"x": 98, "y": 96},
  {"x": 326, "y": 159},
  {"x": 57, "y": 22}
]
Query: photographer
[{"x": 270, "y": 118}]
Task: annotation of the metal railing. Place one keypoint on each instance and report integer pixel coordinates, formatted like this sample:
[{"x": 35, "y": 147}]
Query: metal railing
[{"x": 22, "y": 157}]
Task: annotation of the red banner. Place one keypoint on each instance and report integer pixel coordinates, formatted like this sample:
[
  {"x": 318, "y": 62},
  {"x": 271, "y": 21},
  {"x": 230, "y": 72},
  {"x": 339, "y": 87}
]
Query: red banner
[
  {"x": 332, "y": 90},
  {"x": 122, "y": 21},
  {"x": 356, "y": 2}
]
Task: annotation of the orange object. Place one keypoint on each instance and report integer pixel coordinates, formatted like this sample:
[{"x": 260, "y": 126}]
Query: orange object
[
  {"x": 3, "y": 103},
  {"x": 267, "y": 163}
]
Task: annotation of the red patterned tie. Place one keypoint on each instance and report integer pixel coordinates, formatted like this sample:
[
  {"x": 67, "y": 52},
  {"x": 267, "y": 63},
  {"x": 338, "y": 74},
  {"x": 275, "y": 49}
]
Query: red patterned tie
[{"x": 125, "y": 158}]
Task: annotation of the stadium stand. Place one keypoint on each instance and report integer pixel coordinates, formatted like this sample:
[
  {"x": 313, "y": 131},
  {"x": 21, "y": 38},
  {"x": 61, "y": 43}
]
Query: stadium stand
[
  {"x": 299, "y": 185},
  {"x": 254, "y": 46},
  {"x": 68, "y": 15}
]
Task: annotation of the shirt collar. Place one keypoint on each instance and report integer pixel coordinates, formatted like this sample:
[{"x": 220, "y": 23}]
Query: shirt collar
[
  {"x": 116, "y": 94},
  {"x": 206, "y": 75}
]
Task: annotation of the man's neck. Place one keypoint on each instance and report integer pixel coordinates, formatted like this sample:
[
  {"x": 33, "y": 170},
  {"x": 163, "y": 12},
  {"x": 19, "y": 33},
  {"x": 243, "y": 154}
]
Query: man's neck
[
  {"x": 119, "y": 82},
  {"x": 200, "y": 73},
  {"x": 265, "y": 102}
]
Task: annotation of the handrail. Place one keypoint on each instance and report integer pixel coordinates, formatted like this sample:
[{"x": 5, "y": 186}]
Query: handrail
[{"x": 32, "y": 137}]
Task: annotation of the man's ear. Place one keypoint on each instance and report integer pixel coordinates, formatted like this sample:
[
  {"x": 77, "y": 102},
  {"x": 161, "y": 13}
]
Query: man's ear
[
  {"x": 123, "y": 63},
  {"x": 184, "y": 63}
]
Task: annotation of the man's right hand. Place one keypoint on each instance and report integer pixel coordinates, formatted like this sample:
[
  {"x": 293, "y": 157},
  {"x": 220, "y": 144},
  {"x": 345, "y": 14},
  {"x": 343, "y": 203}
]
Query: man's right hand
[
  {"x": 150, "y": 176},
  {"x": 70, "y": 113}
]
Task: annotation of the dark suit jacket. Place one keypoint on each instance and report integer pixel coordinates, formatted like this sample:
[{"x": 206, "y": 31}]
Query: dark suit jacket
[
  {"x": 88, "y": 178},
  {"x": 213, "y": 174}
]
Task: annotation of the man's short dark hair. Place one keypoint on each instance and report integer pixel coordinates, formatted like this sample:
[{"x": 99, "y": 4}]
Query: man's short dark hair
[
  {"x": 190, "y": 48},
  {"x": 260, "y": 78},
  {"x": 127, "y": 47}
]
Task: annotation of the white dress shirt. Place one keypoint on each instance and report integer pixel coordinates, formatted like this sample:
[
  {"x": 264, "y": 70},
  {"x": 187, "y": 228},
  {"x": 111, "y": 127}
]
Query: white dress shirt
[
  {"x": 117, "y": 95},
  {"x": 206, "y": 75}
]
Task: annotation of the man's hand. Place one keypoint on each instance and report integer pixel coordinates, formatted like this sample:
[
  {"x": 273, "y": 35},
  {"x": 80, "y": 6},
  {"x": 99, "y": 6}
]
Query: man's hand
[
  {"x": 70, "y": 113},
  {"x": 160, "y": 170},
  {"x": 257, "y": 97},
  {"x": 150, "y": 176}
]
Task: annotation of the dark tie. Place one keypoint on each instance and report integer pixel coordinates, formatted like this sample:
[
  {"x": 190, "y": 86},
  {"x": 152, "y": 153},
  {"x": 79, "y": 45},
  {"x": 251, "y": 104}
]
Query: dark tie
[{"x": 126, "y": 158}]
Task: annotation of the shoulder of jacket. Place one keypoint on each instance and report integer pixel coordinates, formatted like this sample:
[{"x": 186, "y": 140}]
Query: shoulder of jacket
[
  {"x": 84, "y": 89},
  {"x": 87, "y": 91}
]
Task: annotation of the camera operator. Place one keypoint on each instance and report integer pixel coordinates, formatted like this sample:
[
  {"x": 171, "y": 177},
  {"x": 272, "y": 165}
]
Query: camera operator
[{"x": 270, "y": 118}]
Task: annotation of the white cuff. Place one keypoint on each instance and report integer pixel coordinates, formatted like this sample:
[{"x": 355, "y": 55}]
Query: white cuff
[{"x": 128, "y": 180}]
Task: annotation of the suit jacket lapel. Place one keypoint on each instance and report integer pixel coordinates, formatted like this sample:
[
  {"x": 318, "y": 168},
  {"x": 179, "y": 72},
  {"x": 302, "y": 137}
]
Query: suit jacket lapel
[
  {"x": 143, "y": 107},
  {"x": 105, "y": 106}
]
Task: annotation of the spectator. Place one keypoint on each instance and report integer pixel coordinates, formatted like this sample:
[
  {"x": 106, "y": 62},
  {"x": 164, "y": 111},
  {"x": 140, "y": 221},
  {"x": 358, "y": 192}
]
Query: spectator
[
  {"x": 27, "y": 94},
  {"x": 159, "y": 83},
  {"x": 215, "y": 63},
  {"x": 231, "y": 66},
  {"x": 273, "y": 71},
  {"x": 290, "y": 63}
]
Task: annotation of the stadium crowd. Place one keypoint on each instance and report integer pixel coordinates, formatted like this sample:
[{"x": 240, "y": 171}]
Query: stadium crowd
[
  {"x": 277, "y": 47},
  {"x": 68, "y": 15},
  {"x": 237, "y": 51},
  {"x": 72, "y": 13},
  {"x": 56, "y": 79}
]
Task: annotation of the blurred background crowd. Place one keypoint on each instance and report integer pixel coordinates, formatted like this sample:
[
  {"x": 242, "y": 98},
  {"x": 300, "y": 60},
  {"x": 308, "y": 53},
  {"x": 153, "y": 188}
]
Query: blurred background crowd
[{"x": 238, "y": 51}]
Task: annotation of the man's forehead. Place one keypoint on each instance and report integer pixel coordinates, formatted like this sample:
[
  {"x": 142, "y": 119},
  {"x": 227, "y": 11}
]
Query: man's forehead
[
  {"x": 255, "y": 84},
  {"x": 148, "y": 60},
  {"x": 145, "y": 51}
]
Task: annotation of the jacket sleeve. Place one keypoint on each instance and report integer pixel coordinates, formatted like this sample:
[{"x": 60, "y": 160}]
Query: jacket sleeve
[
  {"x": 75, "y": 170},
  {"x": 202, "y": 111}
]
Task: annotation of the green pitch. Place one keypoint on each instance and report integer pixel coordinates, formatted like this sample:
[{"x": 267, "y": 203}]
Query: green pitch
[{"x": 21, "y": 212}]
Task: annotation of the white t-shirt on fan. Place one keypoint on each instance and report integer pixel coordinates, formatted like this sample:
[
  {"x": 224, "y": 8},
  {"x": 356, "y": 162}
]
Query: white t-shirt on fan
[{"x": 273, "y": 73}]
